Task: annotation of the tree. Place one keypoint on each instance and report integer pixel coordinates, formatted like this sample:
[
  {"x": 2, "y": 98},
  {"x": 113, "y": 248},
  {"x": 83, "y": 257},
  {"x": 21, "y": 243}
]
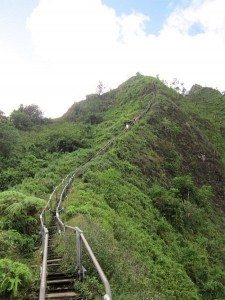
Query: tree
[
  {"x": 20, "y": 120},
  {"x": 178, "y": 86},
  {"x": 2, "y": 116},
  {"x": 26, "y": 116},
  {"x": 34, "y": 112},
  {"x": 8, "y": 138},
  {"x": 100, "y": 88}
]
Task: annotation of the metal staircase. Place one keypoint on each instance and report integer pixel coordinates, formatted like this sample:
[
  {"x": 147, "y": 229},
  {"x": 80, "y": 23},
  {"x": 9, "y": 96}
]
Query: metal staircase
[
  {"x": 55, "y": 284},
  {"x": 59, "y": 285}
]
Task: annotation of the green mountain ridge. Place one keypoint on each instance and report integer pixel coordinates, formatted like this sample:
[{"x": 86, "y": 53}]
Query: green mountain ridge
[{"x": 152, "y": 205}]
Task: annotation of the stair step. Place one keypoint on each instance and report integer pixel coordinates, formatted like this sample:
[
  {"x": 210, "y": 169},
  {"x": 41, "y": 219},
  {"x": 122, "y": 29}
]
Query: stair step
[
  {"x": 64, "y": 295},
  {"x": 54, "y": 260},
  {"x": 53, "y": 257},
  {"x": 51, "y": 247},
  {"x": 60, "y": 281},
  {"x": 53, "y": 264},
  {"x": 60, "y": 288},
  {"x": 53, "y": 268},
  {"x": 61, "y": 274}
]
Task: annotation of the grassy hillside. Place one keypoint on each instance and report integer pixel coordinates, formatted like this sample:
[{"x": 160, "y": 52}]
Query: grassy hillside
[
  {"x": 153, "y": 197},
  {"x": 152, "y": 205},
  {"x": 206, "y": 106}
]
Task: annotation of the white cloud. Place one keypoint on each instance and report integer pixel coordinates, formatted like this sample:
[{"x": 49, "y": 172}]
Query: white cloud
[
  {"x": 77, "y": 43},
  {"x": 202, "y": 54}
]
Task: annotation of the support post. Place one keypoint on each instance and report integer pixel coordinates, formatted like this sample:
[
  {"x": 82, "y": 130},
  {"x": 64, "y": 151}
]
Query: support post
[
  {"x": 79, "y": 253},
  {"x": 44, "y": 265},
  {"x": 44, "y": 219}
]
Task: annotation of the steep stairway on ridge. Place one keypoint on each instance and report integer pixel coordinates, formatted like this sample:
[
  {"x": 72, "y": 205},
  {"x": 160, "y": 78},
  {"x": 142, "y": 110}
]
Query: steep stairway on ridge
[{"x": 59, "y": 285}]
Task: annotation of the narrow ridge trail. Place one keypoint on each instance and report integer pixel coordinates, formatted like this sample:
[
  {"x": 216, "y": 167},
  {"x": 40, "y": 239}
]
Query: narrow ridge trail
[{"x": 54, "y": 283}]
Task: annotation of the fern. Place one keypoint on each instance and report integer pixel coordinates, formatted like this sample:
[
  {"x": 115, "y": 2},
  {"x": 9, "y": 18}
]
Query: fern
[
  {"x": 15, "y": 209},
  {"x": 14, "y": 276}
]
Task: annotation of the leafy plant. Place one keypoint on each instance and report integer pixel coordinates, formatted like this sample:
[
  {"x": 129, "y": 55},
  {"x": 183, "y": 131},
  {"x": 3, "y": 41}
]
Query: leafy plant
[
  {"x": 14, "y": 276},
  {"x": 20, "y": 212}
]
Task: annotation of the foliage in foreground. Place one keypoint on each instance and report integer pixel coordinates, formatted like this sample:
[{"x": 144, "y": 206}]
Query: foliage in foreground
[
  {"x": 14, "y": 277},
  {"x": 19, "y": 226}
]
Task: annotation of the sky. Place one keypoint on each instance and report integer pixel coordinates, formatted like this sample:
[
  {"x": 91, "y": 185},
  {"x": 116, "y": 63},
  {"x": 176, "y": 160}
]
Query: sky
[{"x": 54, "y": 52}]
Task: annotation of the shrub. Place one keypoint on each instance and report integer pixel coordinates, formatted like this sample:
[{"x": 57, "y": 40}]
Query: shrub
[
  {"x": 20, "y": 212},
  {"x": 185, "y": 186},
  {"x": 14, "y": 244},
  {"x": 175, "y": 206},
  {"x": 8, "y": 138},
  {"x": 14, "y": 276}
]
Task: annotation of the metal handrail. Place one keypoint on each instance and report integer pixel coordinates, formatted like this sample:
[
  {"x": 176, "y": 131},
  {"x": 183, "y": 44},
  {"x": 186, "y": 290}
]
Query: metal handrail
[
  {"x": 102, "y": 275},
  {"x": 45, "y": 237},
  {"x": 80, "y": 238},
  {"x": 44, "y": 265},
  {"x": 79, "y": 234}
]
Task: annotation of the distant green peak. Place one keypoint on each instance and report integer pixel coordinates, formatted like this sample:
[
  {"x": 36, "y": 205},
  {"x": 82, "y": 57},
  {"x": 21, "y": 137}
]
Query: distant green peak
[
  {"x": 198, "y": 89},
  {"x": 195, "y": 88}
]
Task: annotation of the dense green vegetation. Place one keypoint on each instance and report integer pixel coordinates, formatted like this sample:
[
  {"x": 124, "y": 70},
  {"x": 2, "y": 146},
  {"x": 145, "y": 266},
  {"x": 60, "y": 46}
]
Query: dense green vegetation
[
  {"x": 206, "y": 107},
  {"x": 151, "y": 205}
]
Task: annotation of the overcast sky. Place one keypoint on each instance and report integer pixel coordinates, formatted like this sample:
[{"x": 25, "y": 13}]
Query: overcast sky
[{"x": 54, "y": 52}]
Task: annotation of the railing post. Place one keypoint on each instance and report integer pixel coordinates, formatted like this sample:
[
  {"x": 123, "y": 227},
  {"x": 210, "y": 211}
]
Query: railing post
[
  {"x": 79, "y": 253},
  {"x": 44, "y": 219},
  {"x": 44, "y": 265},
  {"x": 51, "y": 204},
  {"x": 56, "y": 196}
]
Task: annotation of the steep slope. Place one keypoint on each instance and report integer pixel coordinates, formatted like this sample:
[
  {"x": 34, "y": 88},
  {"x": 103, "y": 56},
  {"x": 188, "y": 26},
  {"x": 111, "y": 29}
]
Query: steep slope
[
  {"x": 207, "y": 108},
  {"x": 151, "y": 204}
]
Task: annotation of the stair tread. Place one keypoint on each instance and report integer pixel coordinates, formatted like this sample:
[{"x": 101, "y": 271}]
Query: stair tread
[
  {"x": 60, "y": 274},
  {"x": 53, "y": 264},
  {"x": 60, "y": 289},
  {"x": 64, "y": 280},
  {"x": 54, "y": 260},
  {"x": 61, "y": 295}
]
